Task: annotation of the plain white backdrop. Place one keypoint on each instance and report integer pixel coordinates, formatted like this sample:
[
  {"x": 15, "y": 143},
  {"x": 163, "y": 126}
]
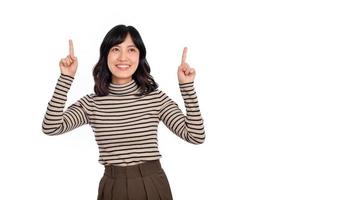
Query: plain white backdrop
[{"x": 275, "y": 83}]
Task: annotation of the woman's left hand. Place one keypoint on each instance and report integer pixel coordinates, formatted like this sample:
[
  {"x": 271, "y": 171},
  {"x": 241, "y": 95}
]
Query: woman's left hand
[{"x": 186, "y": 74}]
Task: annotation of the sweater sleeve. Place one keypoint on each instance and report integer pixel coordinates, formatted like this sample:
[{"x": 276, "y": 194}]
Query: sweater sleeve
[
  {"x": 189, "y": 127},
  {"x": 56, "y": 121}
]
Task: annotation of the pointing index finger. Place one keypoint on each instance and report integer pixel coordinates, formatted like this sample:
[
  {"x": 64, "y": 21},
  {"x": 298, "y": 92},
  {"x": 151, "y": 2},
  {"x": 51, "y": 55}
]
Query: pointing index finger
[
  {"x": 71, "y": 48},
  {"x": 184, "y": 56}
]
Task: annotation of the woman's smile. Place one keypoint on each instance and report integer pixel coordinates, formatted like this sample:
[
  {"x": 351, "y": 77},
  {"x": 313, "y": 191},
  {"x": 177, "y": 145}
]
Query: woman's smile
[{"x": 122, "y": 67}]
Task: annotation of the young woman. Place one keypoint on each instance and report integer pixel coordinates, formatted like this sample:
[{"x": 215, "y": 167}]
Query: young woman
[{"x": 124, "y": 113}]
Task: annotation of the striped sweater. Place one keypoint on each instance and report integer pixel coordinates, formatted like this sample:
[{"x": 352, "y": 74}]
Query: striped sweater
[{"x": 125, "y": 125}]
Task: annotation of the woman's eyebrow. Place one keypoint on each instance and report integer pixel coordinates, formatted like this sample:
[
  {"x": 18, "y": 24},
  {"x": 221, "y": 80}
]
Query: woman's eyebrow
[{"x": 131, "y": 45}]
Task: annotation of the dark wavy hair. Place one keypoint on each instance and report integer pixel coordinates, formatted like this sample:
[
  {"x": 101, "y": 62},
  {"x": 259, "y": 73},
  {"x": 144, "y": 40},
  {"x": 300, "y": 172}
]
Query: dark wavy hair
[{"x": 101, "y": 73}]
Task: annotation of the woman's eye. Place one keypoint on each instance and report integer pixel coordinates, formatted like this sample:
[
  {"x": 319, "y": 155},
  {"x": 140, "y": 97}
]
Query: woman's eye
[
  {"x": 115, "y": 49},
  {"x": 132, "y": 50}
]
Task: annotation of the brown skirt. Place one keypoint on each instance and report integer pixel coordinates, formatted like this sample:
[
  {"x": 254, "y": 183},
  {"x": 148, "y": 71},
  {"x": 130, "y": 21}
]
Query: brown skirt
[{"x": 145, "y": 181}]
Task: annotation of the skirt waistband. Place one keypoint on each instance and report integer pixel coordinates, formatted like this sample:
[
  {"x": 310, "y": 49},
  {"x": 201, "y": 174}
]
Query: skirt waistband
[{"x": 144, "y": 169}]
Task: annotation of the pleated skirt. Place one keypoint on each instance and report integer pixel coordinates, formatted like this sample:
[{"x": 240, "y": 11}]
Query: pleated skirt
[{"x": 145, "y": 181}]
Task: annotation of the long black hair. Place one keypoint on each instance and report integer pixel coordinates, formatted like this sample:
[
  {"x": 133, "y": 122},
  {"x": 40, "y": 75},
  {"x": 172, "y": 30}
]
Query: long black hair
[{"x": 101, "y": 73}]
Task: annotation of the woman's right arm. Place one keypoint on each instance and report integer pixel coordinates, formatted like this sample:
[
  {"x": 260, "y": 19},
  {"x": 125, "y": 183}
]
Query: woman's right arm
[{"x": 57, "y": 121}]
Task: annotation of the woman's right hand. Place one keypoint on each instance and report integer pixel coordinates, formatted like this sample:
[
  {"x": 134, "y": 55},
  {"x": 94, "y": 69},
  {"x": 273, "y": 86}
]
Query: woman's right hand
[{"x": 69, "y": 64}]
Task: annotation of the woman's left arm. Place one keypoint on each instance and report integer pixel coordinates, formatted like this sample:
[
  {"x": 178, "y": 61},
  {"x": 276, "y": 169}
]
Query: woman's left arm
[{"x": 189, "y": 127}]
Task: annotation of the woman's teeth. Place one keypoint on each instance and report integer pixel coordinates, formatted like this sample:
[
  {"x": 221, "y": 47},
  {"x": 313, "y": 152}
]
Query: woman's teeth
[{"x": 122, "y": 67}]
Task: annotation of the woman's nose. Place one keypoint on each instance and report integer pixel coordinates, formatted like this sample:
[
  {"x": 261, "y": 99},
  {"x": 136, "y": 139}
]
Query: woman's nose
[{"x": 122, "y": 55}]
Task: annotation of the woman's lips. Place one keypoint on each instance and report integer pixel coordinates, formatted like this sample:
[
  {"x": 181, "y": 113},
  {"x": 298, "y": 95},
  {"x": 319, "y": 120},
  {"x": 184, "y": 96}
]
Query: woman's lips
[{"x": 122, "y": 67}]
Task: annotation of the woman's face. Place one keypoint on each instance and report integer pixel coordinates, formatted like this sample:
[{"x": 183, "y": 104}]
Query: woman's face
[{"x": 123, "y": 60}]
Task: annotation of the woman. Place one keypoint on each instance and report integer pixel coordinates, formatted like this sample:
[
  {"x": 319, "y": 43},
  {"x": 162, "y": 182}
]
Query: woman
[{"x": 124, "y": 113}]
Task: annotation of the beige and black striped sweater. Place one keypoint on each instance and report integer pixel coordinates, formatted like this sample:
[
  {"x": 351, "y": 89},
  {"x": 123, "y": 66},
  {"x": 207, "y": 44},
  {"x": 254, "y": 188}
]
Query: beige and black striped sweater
[{"x": 125, "y": 125}]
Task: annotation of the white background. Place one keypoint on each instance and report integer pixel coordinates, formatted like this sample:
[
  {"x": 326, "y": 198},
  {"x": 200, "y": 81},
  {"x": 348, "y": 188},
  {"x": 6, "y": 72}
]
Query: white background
[{"x": 275, "y": 82}]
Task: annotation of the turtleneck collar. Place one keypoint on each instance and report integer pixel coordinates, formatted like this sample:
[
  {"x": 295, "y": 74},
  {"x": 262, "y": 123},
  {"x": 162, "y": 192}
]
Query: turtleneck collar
[{"x": 124, "y": 89}]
